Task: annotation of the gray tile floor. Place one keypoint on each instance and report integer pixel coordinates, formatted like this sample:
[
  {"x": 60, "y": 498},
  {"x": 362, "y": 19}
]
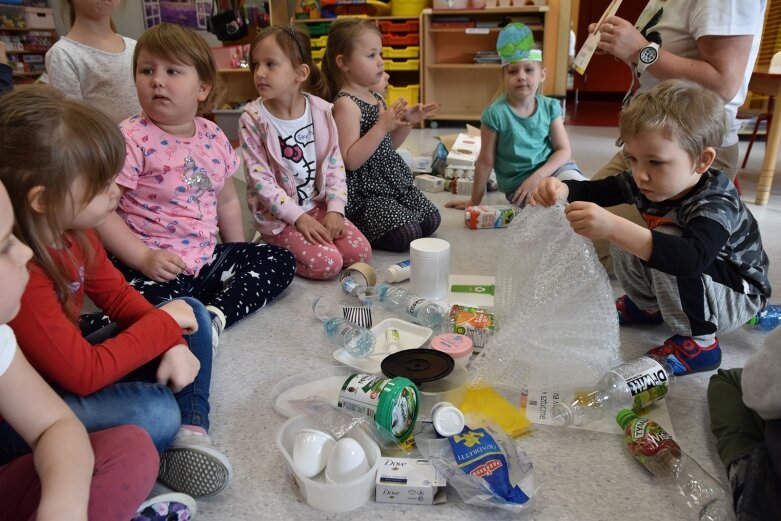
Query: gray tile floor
[{"x": 583, "y": 475}]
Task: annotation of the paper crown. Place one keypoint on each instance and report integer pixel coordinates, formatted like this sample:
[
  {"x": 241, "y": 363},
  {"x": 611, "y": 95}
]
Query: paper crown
[{"x": 515, "y": 43}]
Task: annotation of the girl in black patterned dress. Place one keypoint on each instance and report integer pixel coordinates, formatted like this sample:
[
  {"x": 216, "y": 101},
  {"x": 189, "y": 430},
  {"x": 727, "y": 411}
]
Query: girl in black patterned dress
[{"x": 381, "y": 198}]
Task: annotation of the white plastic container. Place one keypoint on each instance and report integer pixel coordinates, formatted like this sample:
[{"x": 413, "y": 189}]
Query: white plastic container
[
  {"x": 330, "y": 497},
  {"x": 451, "y": 388},
  {"x": 430, "y": 268},
  {"x": 398, "y": 272},
  {"x": 448, "y": 420}
]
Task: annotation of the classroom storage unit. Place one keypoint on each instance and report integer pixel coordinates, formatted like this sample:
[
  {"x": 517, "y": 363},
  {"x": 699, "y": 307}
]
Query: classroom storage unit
[{"x": 27, "y": 33}]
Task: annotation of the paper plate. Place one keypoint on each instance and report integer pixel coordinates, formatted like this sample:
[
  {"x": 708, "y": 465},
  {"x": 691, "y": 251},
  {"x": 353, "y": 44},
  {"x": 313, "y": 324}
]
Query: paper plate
[{"x": 411, "y": 336}]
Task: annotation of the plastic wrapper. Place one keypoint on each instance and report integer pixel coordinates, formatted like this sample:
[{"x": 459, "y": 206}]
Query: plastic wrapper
[
  {"x": 338, "y": 422},
  {"x": 521, "y": 484},
  {"x": 556, "y": 317}
]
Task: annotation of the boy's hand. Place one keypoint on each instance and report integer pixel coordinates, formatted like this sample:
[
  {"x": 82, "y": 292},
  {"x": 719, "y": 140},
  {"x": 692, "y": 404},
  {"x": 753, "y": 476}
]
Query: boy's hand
[
  {"x": 417, "y": 113},
  {"x": 590, "y": 220},
  {"x": 334, "y": 223},
  {"x": 161, "y": 265},
  {"x": 178, "y": 368},
  {"x": 548, "y": 191},
  {"x": 183, "y": 314},
  {"x": 460, "y": 204},
  {"x": 312, "y": 230},
  {"x": 393, "y": 117}
]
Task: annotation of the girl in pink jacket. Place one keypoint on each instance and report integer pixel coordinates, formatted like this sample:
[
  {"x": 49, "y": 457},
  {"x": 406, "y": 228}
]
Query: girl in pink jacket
[{"x": 296, "y": 185}]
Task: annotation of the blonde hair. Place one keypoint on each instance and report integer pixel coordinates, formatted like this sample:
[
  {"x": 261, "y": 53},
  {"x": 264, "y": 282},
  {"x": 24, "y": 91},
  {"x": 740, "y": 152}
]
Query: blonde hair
[
  {"x": 341, "y": 38},
  {"x": 295, "y": 43},
  {"x": 49, "y": 141},
  {"x": 690, "y": 114},
  {"x": 182, "y": 45}
]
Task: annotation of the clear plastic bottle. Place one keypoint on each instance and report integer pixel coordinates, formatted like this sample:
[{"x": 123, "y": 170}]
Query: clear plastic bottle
[
  {"x": 356, "y": 340},
  {"x": 696, "y": 491},
  {"x": 768, "y": 319},
  {"x": 633, "y": 385},
  {"x": 419, "y": 310}
]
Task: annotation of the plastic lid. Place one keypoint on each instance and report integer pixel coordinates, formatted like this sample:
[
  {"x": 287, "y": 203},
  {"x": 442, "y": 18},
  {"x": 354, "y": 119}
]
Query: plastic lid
[
  {"x": 457, "y": 346},
  {"x": 448, "y": 420},
  {"x": 418, "y": 365},
  {"x": 428, "y": 247},
  {"x": 625, "y": 416}
]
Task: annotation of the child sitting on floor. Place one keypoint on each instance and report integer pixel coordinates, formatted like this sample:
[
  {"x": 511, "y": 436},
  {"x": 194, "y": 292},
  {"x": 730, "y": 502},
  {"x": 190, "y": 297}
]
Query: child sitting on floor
[{"x": 699, "y": 266}]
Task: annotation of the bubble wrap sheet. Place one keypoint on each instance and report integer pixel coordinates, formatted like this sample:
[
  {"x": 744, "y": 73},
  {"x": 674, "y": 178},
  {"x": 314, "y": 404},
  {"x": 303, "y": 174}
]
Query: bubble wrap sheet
[{"x": 557, "y": 322}]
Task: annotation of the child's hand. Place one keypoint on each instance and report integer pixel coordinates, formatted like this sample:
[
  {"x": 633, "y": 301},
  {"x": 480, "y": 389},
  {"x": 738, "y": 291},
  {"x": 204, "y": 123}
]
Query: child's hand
[
  {"x": 590, "y": 220},
  {"x": 178, "y": 368},
  {"x": 393, "y": 117},
  {"x": 312, "y": 230},
  {"x": 417, "y": 113},
  {"x": 459, "y": 204},
  {"x": 162, "y": 265},
  {"x": 524, "y": 192},
  {"x": 183, "y": 314},
  {"x": 548, "y": 191},
  {"x": 334, "y": 223}
]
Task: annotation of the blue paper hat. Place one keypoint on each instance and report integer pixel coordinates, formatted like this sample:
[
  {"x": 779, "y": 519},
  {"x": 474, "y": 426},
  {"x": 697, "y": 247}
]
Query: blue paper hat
[{"x": 515, "y": 43}]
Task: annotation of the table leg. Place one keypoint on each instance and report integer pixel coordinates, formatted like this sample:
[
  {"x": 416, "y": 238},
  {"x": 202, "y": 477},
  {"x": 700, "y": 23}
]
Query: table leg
[{"x": 771, "y": 155}]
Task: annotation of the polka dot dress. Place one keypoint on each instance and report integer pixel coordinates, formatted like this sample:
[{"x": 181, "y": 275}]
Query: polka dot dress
[{"x": 380, "y": 194}]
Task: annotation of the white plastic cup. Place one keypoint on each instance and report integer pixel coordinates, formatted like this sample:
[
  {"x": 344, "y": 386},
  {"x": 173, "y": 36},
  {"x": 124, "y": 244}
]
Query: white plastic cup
[{"x": 430, "y": 268}]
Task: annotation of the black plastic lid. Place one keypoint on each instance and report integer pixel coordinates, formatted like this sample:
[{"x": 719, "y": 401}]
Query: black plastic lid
[{"x": 418, "y": 365}]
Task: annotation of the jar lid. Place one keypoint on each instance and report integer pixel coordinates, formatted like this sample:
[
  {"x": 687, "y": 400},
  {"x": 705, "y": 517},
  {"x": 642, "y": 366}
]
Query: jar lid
[
  {"x": 447, "y": 419},
  {"x": 428, "y": 246},
  {"x": 418, "y": 365},
  {"x": 457, "y": 346}
]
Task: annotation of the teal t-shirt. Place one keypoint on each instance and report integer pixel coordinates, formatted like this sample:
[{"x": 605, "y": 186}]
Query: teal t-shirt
[{"x": 522, "y": 144}]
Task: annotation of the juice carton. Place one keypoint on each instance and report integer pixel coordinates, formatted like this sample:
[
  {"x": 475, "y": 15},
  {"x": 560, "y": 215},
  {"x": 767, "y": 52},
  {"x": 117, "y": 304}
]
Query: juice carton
[
  {"x": 476, "y": 323},
  {"x": 480, "y": 217}
]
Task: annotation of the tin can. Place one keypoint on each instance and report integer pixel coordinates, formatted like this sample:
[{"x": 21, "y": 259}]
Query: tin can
[{"x": 392, "y": 402}]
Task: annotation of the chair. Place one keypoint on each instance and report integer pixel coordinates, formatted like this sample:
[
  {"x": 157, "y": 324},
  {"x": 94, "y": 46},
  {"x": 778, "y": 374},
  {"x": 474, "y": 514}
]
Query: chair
[{"x": 775, "y": 68}]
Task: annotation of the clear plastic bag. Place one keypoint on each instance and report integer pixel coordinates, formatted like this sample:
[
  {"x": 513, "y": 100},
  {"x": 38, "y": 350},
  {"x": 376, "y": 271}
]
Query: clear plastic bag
[{"x": 557, "y": 322}]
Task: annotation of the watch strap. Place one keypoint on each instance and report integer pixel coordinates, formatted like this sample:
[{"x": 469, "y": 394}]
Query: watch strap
[{"x": 641, "y": 65}]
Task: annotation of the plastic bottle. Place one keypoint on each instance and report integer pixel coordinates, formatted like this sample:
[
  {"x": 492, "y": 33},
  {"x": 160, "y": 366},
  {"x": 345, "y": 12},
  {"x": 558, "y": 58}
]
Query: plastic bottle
[
  {"x": 696, "y": 490},
  {"x": 633, "y": 385},
  {"x": 398, "y": 272},
  {"x": 421, "y": 311},
  {"x": 356, "y": 340},
  {"x": 768, "y": 319}
]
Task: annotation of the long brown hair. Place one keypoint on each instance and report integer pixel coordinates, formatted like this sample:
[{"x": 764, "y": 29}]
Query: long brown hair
[
  {"x": 341, "y": 39},
  {"x": 295, "y": 43},
  {"x": 49, "y": 141},
  {"x": 182, "y": 45}
]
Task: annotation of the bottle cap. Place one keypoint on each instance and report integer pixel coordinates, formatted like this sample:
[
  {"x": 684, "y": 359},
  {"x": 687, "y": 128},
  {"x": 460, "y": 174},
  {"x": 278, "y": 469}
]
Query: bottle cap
[
  {"x": 625, "y": 416},
  {"x": 418, "y": 365},
  {"x": 448, "y": 420}
]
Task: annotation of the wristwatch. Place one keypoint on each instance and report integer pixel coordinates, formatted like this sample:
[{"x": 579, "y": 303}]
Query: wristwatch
[{"x": 648, "y": 56}]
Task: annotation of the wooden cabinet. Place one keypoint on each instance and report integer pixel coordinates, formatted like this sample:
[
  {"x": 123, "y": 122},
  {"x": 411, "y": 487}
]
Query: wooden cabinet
[{"x": 450, "y": 75}]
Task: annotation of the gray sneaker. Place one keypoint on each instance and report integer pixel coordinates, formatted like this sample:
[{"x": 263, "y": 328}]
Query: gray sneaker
[
  {"x": 194, "y": 466},
  {"x": 216, "y": 330}
]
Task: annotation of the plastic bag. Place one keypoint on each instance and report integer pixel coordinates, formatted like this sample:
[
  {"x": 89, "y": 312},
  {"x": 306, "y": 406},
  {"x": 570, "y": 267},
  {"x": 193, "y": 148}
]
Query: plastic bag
[{"x": 557, "y": 322}]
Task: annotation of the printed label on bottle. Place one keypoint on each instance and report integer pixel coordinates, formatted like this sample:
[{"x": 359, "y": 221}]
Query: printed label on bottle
[
  {"x": 361, "y": 393},
  {"x": 538, "y": 403},
  {"x": 403, "y": 412},
  {"x": 646, "y": 439},
  {"x": 647, "y": 381},
  {"x": 349, "y": 285},
  {"x": 403, "y": 264},
  {"x": 413, "y": 303}
]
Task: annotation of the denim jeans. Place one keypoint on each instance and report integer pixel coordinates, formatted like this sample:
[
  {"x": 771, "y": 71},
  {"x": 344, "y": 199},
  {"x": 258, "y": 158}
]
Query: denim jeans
[{"x": 137, "y": 399}]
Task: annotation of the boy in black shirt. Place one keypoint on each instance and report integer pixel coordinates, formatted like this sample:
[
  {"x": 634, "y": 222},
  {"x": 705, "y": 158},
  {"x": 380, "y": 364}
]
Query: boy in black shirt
[{"x": 699, "y": 266}]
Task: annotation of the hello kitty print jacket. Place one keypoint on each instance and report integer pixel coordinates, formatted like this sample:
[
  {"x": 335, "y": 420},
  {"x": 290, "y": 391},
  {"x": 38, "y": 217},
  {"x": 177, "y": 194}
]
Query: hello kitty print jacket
[{"x": 271, "y": 187}]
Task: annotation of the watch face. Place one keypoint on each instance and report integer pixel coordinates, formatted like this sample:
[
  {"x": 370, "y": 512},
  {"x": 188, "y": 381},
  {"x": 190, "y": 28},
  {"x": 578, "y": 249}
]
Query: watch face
[{"x": 648, "y": 55}]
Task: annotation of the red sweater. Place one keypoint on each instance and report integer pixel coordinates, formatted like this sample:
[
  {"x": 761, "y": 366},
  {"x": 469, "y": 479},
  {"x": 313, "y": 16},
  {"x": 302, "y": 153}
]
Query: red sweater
[{"x": 53, "y": 344}]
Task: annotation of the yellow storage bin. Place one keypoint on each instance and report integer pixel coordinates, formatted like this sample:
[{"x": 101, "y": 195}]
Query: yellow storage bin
[
  {"x": 319, "y": 42},
  {"x": 406, "y": 65},
  {"x": 317, "y": 54},
  {"x": 411, "y": 93},
  {"x": 412, "y": 51},
  {"x": 408, "y": 7}
]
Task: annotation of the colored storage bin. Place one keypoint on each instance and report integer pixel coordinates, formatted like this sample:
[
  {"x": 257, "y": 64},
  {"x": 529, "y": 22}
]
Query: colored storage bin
[
  {"x": 408, "y": 7},
  {"x": 411, "y": 93},
  {"x": 318, "y": 29},
  {"x": 412, "y": 51},
  {"x": 319, "y": 42},
  {"x": 39, "y": 17},
  {"x": 401, "y": 39},
  {"x": 410, "y": 26},
  {"x": 317, "y": 54},
  {"x": 402, "y": 65}
]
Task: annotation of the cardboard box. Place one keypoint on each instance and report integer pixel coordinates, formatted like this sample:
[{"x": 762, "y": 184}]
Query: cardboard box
[
  {"x": 462, "y": 186},
  {"x": 482, "y": 217},
  {"x": 450, "y": 139},
  {"x": 429, "y": 183},
  {"x": 464, "y": 151},
  {"x": 409, "y": 481}
]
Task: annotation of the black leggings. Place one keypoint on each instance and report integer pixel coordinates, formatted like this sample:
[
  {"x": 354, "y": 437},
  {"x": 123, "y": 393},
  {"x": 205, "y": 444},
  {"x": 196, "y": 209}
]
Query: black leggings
[{"x": 400, "y": 238}]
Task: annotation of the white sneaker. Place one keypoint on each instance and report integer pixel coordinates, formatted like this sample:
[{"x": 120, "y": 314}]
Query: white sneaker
[
  {"x": 193, "y": 465},
  {"x": 217, "y": 327},
  {"x": 163, "y": 506}
]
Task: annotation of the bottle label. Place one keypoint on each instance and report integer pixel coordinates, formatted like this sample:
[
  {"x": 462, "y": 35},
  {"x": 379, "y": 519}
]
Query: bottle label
[
  {"x": 403, "y": 264},
  {"x": 414, "y": 304},
  {"x": 361, "y": 393},
  {"x": 349, "y": 285},
  {"x": 646, "y": 439},
  {"x": 647, "y": 381}
]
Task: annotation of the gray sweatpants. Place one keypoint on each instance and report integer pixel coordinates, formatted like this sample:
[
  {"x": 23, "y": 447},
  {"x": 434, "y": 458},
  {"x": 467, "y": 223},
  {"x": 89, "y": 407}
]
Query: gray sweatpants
[{"x": 696, "y": 307}]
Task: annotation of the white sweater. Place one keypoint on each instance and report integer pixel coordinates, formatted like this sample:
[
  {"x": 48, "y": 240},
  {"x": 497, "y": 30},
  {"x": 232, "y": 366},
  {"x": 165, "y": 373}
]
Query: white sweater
[{"x": 102, "y": 79}]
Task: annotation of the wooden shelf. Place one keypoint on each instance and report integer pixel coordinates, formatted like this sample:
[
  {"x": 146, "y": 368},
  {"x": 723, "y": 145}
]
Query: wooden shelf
[
  {"x": 26, "y": 51},
  {"x": 25, "y": 30},
  {"x": 477, "y": 30},
  {"x": 527, "y": 9},
  {"x": 478, "y": 66},
  {"x": 26, "y": 73},
  {"x": 331, "y": 20},
  {"x": 237, "y": 70}
]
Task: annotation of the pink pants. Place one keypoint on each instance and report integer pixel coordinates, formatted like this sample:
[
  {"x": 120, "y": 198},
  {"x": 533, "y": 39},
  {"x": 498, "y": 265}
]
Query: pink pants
[
  {"x": 315, "y": 261},
  {"x": 126, "y": 465}
]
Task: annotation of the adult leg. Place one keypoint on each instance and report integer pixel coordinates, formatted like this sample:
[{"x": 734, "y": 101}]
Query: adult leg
[
  {"x": 126, "y": 465},
  {"x": 243, "y": 277}
]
